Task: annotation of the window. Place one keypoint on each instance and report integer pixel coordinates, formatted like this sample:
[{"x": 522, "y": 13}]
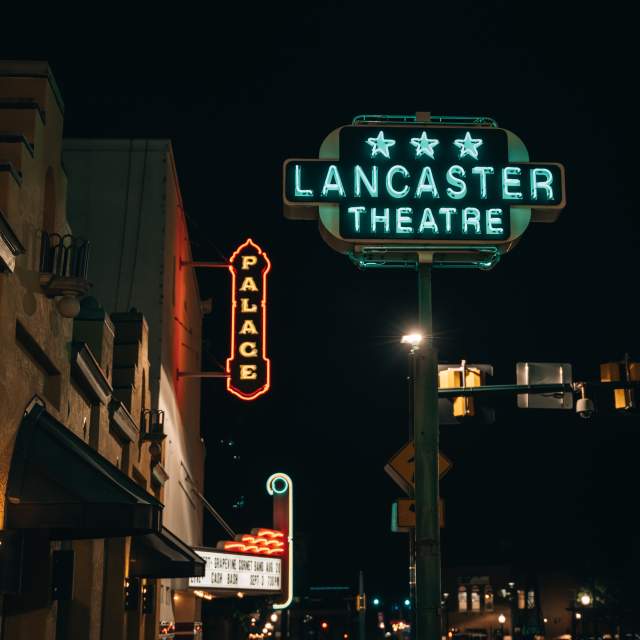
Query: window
[
  {"x": 521, "y": 603},
  {"x": 462, "y": 598},
  {"x": 531, "y": 599},
  {"x": 488, "y": 598},
  {"x": 475, "y": 598}
]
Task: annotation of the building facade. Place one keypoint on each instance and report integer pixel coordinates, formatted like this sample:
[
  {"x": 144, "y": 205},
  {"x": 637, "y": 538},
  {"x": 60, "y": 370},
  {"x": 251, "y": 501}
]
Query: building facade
[
  {"x": 138, "y": 260},
  {"x": 87, "y": 547}
]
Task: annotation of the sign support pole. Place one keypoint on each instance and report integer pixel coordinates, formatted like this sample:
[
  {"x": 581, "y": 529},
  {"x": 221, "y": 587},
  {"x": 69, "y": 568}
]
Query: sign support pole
[{"x": 427, "y": 543}]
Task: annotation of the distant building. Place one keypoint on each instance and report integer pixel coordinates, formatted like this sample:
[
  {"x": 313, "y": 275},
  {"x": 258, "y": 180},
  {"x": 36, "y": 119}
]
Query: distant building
[
  {"x": 84, "y": 541},
  {"x": 124, "y": 196}
]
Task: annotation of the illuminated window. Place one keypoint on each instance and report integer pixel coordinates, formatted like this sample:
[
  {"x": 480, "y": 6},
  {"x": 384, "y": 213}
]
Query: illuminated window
[
  {"x": 521, "y": 602},
  {"x": 475, "y": 598},
  {"x": 462, "y": 598},
  {"x": 488, "y": 598},
  {"x": 531, "y": 599}
]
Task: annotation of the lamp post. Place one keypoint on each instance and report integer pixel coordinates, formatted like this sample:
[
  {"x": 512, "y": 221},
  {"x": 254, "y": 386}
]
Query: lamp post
[
  {"x": 501, "y": 620},
  {"x": 412, "y": 340}
]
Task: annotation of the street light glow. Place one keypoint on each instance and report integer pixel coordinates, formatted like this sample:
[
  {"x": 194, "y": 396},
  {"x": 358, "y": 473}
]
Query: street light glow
[
  {"x": 376, "y": 602},
  {"x": 407, "y": 602},
  {"x": 501, "y": 618},
  {"x": 578, "y": 615},
  {"x": 585, "y": 599},
  {"x": 412, "y": 339}
]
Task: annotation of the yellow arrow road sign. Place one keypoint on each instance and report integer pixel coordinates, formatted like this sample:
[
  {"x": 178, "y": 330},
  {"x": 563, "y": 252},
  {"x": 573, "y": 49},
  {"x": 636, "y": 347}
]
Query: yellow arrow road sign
[
  {"x": 402, "y": 467},
  {"x": 403, "y": 514}
]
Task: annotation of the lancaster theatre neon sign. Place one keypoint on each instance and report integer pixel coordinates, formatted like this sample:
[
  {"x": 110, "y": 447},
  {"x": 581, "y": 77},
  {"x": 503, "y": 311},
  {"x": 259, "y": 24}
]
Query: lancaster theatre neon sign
[{"x": 248, "y": 368}]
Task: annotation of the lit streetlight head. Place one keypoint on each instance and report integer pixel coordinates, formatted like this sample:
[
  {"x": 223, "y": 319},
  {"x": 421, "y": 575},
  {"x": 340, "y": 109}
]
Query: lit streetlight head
[
  {"x": 578, "y": 615},
  {"x": 501, "y": 618},
  {"x": 585, "y": 599},
  {"x": 412, "y": 339}
]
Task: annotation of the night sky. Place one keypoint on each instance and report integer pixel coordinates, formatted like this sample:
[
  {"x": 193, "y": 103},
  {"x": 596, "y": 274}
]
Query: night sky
[{"x": 241, "y": 89}]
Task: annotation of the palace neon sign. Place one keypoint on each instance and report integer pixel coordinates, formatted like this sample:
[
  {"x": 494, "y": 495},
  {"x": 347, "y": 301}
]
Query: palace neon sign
[
  {"x": 423, "y": 184},
  {"x": 248, "y": 368}
]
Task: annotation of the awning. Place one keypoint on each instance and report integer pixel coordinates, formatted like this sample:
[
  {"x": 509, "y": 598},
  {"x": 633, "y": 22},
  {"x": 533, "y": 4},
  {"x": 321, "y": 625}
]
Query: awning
[
  {"x": 163, "y": 555},
  {"x": 58, "y": 482}
]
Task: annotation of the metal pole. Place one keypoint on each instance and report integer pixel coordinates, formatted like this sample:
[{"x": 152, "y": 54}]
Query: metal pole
[
  {"x": 412, "y": 532},
  {"x": 362, "y": 612},
  {"x": 426, "y": 479}
]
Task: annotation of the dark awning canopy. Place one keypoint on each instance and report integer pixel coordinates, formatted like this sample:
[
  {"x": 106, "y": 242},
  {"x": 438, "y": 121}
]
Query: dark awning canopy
[
  {"x": 163, "y": 555},
  {"x": 60, "y": 483}
]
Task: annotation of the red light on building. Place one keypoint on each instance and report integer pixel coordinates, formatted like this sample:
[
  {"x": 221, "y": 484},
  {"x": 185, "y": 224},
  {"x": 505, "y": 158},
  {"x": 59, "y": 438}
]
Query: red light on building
[{"x": 248, "y": 367}]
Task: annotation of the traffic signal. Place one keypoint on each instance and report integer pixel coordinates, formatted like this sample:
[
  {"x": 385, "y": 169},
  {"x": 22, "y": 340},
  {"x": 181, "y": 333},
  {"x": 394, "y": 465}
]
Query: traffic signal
[
  {"x": 463, "y": 376},
  {"x": 361, "y": 602},
  {"x": 626, "y": 371}
]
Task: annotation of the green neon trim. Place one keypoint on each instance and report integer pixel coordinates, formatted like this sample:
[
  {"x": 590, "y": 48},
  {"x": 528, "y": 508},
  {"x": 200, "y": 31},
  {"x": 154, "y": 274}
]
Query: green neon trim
[
  {"x": 427, "y": 183},
  {"x": 380, "y": 145},
  {"x": 447, "y": 212},
  {"x": 384, "y": 218},
  {"x": 401, "y": 219},
  {"x": 541, "y": 184},
  {"x": 333, "y": 182},
  {"x": 428, "y": 222},
  {"x": 483, "y": 172},
  {"x": 357, "y": 211},
  {"x": 456, "y": 182},
  {"x": 494, "y": 216},
  {"x": 470, "y": 216},
  {"x": 360, "y": 178},
  {"x": 424, "y": 145},
  {"x": 271, "y": 490},
  {"x": 394, "y": 193},
  {"x": 468, "y": 146},
  {"x": 299, "y": 191},
  {"x": 508, "y": 182}
]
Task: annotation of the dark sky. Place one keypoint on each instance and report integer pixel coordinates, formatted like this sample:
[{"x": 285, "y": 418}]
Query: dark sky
[{"x": 240, "y": 89}]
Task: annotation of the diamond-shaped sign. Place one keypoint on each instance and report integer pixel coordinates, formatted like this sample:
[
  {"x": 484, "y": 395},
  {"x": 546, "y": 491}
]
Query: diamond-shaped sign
[{"x": 402, "y": 467}]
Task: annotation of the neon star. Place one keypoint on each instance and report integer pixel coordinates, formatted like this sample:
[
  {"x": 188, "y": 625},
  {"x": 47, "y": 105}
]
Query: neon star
[
  {"x": 380, "y": 144},
  {"x": 468, "y": 146},
  {"x": 424, "y": 145}
]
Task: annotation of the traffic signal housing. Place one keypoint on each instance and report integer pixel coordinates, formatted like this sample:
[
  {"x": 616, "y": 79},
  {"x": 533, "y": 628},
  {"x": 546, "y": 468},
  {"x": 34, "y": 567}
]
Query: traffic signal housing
[
  {"x": 463, "y": 375},
  {"x": 623, "y": 371}
]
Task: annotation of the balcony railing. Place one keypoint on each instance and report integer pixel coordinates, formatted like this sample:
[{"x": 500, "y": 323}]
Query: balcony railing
[
  {"x": 64, "y": 263},
  {"x": 64, "y": 256}
]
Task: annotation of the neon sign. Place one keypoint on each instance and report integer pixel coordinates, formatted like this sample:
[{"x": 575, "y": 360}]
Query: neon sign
[
  {"x": 248, "y": 368},
  {"x": 280, "y": 486},
  {"x": 420, "y": 184},
  {"x": 261, "y": 541}
]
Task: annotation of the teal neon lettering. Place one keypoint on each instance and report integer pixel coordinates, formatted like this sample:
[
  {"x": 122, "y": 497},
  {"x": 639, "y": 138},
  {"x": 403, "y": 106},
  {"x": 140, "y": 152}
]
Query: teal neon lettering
[
  {"x": 447, "y": 212},
  {"x": 470, "y": 217},
  {"x": 493, "y": 222},
  {"x": 452, "y": 173},
  {"x": 357, "y": 211},
  {"x": 360, "y": 178},
  {"x": 508, "y": 182},
  {"x": 384, "y": 218},
  {"x": 426, "y": 184},
  {"x": 333, "y": 182},
  {"x": 483, "y": 172},
  {"x": 428, "y": 222},
  {"x": 403, "y": 216},
  {"x": 299, "y": 191},
  {"x": 393, "y": 192},
  {"x": 541, "y": 179}
]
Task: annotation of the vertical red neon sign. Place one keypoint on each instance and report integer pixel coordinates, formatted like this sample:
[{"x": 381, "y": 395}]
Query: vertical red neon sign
[{"x": 248, "y": 367}]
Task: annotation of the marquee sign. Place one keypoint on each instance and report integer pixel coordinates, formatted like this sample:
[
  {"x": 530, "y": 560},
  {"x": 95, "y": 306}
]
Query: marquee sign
[
  {"x": 422, "y": 185},
  {"x": 248, "y": 368},
  {"x": 246, "y": 573}
]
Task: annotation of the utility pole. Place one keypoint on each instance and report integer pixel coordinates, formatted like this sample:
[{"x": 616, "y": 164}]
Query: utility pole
[
  {"x": 427, "y": 543},
  {"x": 362, "y": 611}
]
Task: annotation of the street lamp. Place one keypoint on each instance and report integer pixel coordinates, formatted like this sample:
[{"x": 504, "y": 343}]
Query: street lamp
[
  {"x": 585, "y": 599},
  {"x": 413, "y": 340},
  {"x": 502, "y": 619}
]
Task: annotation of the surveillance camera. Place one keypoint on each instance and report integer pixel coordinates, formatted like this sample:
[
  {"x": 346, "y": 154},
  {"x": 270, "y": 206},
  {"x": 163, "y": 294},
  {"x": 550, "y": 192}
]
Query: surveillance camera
[{"x": 585, "y": 407}]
